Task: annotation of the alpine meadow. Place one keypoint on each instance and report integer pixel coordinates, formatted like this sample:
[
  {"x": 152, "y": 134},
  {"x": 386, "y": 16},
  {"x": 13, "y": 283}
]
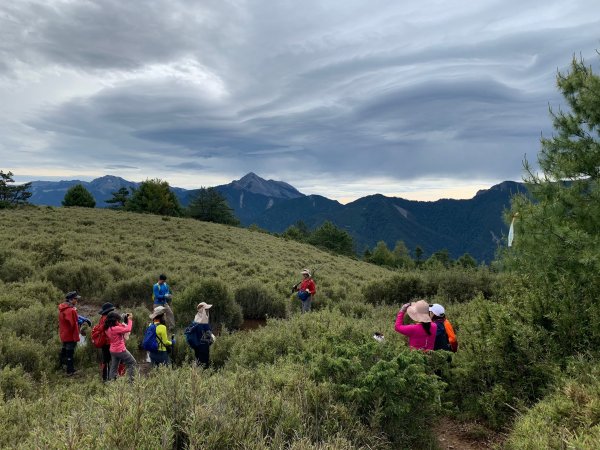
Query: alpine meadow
[{"x": 525, "y": 376}]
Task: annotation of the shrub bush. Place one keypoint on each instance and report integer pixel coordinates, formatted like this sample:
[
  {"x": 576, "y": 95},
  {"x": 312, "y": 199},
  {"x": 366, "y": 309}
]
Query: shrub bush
[
  {"x": 259, "y": 302},
  {"x": 32, "y": 356},
  {"x": 131, "y": 292},
  {"x": 223, "y": 312},
  {"x": 15, "y": 382},
  {"x": 21, "y": 295},
  {"x": 16, "y": 269},
  {"x": 89, "y": 278},
  {"x": 396, "y": 290},
  {"x": 459, "y": 285},
  {"x": 38, "y": 322}
]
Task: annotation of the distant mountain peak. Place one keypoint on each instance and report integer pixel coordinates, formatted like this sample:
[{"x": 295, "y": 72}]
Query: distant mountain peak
[{"x": 270, "y": 188}]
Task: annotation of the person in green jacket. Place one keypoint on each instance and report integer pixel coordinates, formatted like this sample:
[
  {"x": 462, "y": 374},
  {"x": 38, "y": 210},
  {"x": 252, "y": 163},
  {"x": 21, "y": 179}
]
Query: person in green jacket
[{"x": 161, "y": 355}]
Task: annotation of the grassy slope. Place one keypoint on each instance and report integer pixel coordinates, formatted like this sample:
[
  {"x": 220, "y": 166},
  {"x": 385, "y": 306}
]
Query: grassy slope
[{"x": 131, "y": 245}]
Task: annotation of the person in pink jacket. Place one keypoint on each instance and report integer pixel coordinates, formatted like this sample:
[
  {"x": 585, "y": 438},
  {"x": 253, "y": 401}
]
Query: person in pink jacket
[
  {"x": 115, "y": 331},
  {"x": 421, "y": 335}
]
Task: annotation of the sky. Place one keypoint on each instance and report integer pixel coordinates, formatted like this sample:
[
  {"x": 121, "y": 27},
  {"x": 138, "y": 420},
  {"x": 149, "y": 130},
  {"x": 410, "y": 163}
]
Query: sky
[{"x": 418, "y": 99}]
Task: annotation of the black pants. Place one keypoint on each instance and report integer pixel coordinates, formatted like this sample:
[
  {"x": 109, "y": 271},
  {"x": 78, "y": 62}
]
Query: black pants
[
  {"x": 159, "y": 358},
  {"x": 105, "y": 362},
  {"x": 202, "y": 354},
  {"x": 67, "y": 354}
]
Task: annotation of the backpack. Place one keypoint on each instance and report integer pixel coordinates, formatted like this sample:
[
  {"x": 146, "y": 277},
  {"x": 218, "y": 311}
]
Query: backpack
[
  {"x": 99, "y": 338},
  {"x": 303, "y": 295},
  {"x": 193, "y": 339},
  {"x": 151, "y": 339},
  {"x": 441, "y": 338}
]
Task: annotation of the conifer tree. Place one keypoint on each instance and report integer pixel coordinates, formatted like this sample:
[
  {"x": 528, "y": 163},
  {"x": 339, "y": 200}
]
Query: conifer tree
[
  {"x": 154, "y": 197},
  {"x": 210, "y": 206},
  {"x": 12, "y": 195},
  {"x": 79, "y": 196}
]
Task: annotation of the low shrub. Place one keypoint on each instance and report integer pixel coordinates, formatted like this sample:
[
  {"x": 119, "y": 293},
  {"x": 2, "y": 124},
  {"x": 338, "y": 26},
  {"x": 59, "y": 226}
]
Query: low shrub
[
  {"x": 259, "y": 302},
  {"x": 130, "y": 292},
  {"x": 35, "y": 358},
  {"x": 16, "y": 269},
  {"x": 38, "y": 322},
  {"x": 91, "y": 279},
  {"x": 459, "y": 285},
  {"x": 15, "y": 382},
  {"x": 22, "y": 295},
  {"x": 399, "y": 289},
  {"x": 224, "y": 312},
  {"x": 567, "y": 418}
]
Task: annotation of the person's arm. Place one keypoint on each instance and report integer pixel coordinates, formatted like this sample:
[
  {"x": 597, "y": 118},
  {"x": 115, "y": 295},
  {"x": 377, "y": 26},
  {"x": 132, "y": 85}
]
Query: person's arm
[
  {"x": 161, "y": 334},
  {"x": 74, "y": 325},
  {"x": 406, "y": 330},
  {"x": 312, "y": 287},
  {"x": 122, "y": 328}
]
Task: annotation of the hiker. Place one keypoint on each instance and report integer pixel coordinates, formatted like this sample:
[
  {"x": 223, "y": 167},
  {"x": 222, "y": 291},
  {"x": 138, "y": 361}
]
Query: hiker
[
  {"x": 100, "y": 340},
  {"x": 115, "y": 332},
  {"x": 68, "y": 330},
  {"x": 160, "y": 356},
  {"x": 161, "y": 293},
  {"x": 306, "y": 290},
  {"x": 445, "y": 338},
  {"x": 421, "y": 335},
  {"x": 199, "y": 335}
]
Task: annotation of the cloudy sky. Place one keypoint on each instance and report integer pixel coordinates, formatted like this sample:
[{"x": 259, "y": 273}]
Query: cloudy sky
[{"x": 420, "y": 99}]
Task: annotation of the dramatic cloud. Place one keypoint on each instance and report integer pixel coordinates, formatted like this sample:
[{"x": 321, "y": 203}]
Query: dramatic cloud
[{"x": 342, "y": 98}]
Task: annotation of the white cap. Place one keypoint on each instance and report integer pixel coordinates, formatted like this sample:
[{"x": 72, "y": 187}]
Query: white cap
[
  {"x": 305, "y": 271},
  {"x": 437, "y": 309}
]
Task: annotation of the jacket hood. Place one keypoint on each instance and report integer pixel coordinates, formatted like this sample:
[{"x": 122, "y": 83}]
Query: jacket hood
[{"x": 64, "y": 306}]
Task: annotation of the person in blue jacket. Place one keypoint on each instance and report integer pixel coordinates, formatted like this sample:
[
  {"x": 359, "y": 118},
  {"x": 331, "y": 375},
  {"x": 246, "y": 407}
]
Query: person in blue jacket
[
  {"x": 204, "y": 335},
  {"x": 161, "y": 293}
]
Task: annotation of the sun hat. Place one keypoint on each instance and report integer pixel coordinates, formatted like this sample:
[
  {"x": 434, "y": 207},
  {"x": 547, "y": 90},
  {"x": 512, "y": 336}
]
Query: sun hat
[
  {"x": 419, "y": 311},
  {"x": 203, "y": 305},
  {"x": 437, "y": 309},
  {"x": 158, "y": 311},
  {"x": 305, "y": 271},
  {"x": 106, "y": 308}
]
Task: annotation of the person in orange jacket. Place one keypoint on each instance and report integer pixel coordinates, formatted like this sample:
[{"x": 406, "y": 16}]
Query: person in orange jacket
[
  {"x": 445, "y": 338},
  {"x": 68, "y": 330}
]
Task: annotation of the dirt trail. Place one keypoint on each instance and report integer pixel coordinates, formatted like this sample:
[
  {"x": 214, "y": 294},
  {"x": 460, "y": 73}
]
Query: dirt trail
[{"x": 454, "y": 435}]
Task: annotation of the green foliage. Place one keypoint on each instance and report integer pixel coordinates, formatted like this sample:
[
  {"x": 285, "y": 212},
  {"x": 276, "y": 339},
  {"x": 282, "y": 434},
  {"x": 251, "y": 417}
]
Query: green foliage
[
  {"x": 12, "y": 195},
  {"x": 210, "y": 206},
  {"x": 22, "y": 295},
  {"x": 89, "y": 278},
  {"x": 79, "y": 196},
  {"x": 154, "y": 197},
  {"x": 15, "y": 382},
  {"x": 37, "y": 321},
  {"x": 224, "y": 312},
  {"x": 119, "y": 198},
  {"x": 25, "y": 352},
  {"x": 567, "y": 418},
  {"x": 330, "y": 237},
  {"x": 130, "y": 292},
  {"x": 16, "y": 269},
  {"x": 466, "y": 261},
  {"x": 258, "y": 302},
  {"x": 397, "y": 290}
]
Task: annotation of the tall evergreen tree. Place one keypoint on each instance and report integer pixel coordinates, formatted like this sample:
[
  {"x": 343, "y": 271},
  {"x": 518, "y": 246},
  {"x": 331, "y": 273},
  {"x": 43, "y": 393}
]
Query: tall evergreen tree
[
  {"x": 119, "y": 198},
  {"x": 210, "y": 206},
  {"x": 12, "y": 195},
  {"x": 332, "y": 238},
  {"x": 78, "y": 195},
  {"x": 557, "y": 233},
  {"x": 154, "y": 197}
]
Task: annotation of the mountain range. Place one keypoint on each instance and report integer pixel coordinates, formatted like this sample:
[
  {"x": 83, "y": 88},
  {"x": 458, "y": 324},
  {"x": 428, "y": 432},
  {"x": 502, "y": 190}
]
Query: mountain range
[{"x": 473, "y": 225}]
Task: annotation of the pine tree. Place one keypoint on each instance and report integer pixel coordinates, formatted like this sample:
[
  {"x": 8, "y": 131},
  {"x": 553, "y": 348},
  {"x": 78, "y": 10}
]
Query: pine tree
[
  {"x": 119, "y": 198},
  {"x": 12, "y": 195},
  {"x": 557, "y": 231},
  {"x": 210, "y": 206},
  {"x": 332, "y": 238},
  {"x": 79, "y": 196},
  {"x": 154, "y": 197}
]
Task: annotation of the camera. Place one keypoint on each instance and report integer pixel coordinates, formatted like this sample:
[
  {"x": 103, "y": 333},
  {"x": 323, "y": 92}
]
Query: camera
[{"x": 126, "y": 318}]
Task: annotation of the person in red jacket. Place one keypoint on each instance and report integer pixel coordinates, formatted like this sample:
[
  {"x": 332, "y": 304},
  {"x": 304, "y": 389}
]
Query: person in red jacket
[
  {"x": 68, "y": 330},
  {"x": 306, "y": 290}
]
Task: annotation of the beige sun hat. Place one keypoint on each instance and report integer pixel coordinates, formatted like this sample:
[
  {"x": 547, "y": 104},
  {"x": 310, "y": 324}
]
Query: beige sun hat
[
  {"x": 203, "y": 305},
  {"x": 305, "y": 271},
  {"x": 419, "y": 311},
  {"x": 159, "y": 310}
]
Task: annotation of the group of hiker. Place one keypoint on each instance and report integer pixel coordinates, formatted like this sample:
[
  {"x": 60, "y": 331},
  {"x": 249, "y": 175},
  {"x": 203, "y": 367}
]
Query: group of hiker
[
  {"x": 431, "y": 330},
  {"x": 113, "y": 329}
]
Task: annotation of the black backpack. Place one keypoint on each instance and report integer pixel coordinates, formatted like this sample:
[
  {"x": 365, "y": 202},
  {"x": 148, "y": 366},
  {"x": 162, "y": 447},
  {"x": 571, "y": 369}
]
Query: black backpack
[
  {"x": 195, "y": 339},
  {"x": 441, "y": 338}
]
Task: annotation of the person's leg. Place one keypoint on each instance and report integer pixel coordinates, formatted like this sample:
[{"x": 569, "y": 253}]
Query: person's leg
[
  {"x": 306, "y": 305},
  {"x": 62, "y": 356},
  {"x": 202, "y": 356},
  {"x": 70, "y": 355},
  {"x": 106, "y": 362},
  {"x": 169, "y": 317},
  {"x": 130, "y": 362},
  {"x": 114, "y": 365}
]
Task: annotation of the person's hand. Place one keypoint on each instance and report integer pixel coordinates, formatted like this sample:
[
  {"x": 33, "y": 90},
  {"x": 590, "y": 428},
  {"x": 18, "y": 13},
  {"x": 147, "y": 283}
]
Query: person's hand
[
  {"x": 89, "y": 322},
  {"x": 173, "y": 341},
  {"x": 130, "y": 316},
  {"x": 405, "y": 307},
  {"x": 307, "y": 290}
]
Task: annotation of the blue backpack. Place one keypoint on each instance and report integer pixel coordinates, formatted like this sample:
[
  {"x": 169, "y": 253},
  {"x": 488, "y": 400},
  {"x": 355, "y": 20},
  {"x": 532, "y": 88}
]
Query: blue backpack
[
  {"x": 303, "y": 295},
  {"x": 150, "y": 341},
  {"x": 196, "y": 339}
]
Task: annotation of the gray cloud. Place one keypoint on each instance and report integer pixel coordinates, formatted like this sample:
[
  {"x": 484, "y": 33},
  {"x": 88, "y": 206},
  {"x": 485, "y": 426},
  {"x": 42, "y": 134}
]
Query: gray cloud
[{"x": 348, "y": 89}]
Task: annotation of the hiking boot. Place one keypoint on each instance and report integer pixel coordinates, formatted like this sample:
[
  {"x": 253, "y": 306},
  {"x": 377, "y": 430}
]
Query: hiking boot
[{"x": 70, "y": 374}]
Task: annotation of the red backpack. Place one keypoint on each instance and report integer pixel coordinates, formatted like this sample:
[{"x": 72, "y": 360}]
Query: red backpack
[{"x": 99, "y": 338}]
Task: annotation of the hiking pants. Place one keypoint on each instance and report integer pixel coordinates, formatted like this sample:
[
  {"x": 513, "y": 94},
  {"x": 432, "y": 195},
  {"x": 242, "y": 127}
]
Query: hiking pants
[
  {"x": 106, "y": 362},
  {"x": 306, "y": 305},
  {"x": 202, "y": 356},
  {"x": 127, "y": 359},
  {"x": 159, "y": 358},
  {"x": 67, "y": 354}
]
